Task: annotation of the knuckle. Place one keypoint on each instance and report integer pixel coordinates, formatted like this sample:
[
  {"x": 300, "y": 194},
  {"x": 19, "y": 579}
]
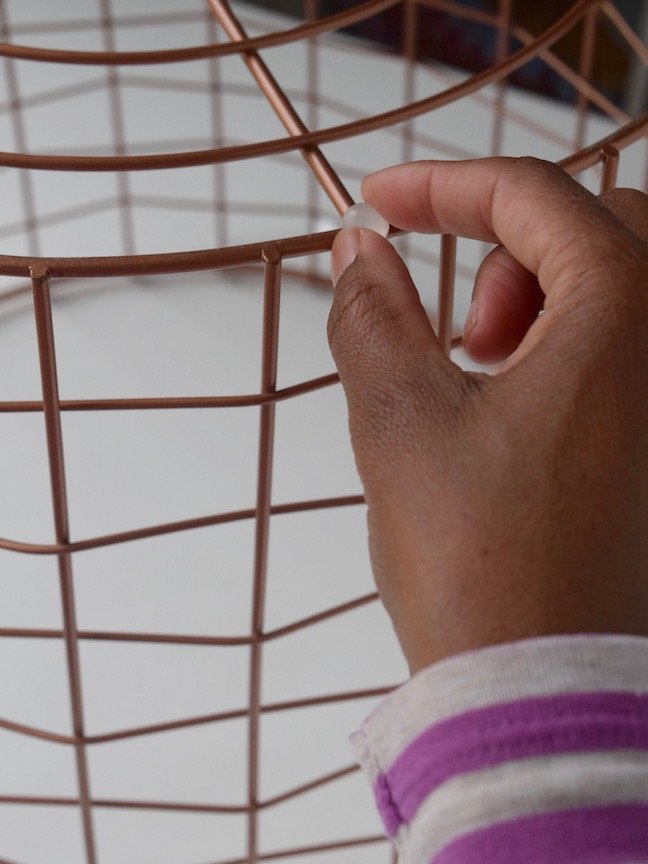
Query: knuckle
[
  {"x": 610, "y": 311},
  {"x": 529, "y": 177},
  {"x": 623, "y": 196},
  {"x": 539, "y": 176},
  {"x": 597, "y": 275},
  {"x": 617, "y": 267},
  {"x": 630, "y": 206},
  {"x": 531, "y": 168}
]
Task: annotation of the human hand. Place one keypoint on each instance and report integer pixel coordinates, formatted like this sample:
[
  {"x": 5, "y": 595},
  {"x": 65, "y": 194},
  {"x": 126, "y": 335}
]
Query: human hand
[{"x": 515, "y": 505}]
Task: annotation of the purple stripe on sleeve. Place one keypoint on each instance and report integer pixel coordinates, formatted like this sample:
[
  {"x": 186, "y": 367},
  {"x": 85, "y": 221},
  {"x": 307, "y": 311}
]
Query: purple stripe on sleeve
[
  {"x": 526, "y": 728},
  {"x": 594, "y": 835}
]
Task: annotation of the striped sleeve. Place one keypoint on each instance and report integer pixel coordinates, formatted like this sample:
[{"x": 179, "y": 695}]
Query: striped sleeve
[{"x": 533, "y": 751}]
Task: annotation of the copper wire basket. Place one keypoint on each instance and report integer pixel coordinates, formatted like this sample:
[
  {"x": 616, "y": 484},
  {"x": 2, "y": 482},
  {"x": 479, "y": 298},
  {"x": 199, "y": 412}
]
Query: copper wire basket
[{"x": 44, "y": 280}]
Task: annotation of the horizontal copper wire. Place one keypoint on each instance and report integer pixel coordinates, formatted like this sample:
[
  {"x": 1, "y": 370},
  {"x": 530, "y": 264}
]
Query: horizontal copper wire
[
  {"x": 290, "y": 247},
  {"x": 310, "y": 139},
  {"x": 152, "y": 403},
  {"x": 191, "y": 639},
  {"x": 199, "y": 52},
  {"x": 174, "y": 527},
  {"x": 186, "y": 807},
  {"x": 312, "y": 849},
  {"x": 189, "y": 722}
]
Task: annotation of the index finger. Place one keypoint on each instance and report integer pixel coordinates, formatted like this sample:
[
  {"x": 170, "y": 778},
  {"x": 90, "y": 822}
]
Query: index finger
[{"x": 547, "y": 221}]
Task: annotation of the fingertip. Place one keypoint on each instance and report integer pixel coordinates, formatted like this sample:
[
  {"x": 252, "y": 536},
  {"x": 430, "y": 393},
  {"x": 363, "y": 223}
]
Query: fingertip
[
  {"x": 380, "y": 186},
  {"x": 481, "y": 348},
  {"x": 365, "y": 185},
  {"x": 507, "y": 300},
  {"x": 375, "y": 177},
  {"x": 478, "y": 340},
  {"x": 373, "y": 277},
  {"x": 375, "y": 250}
]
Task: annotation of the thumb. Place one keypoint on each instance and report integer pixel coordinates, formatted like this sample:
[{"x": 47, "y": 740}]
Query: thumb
[{"x": 389, "y": 360}]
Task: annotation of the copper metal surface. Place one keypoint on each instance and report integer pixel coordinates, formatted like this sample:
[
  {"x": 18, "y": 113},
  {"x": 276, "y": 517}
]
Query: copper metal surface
[
  {"x": 269, "y": 257},
  {"x": 502, "y": 49},
  {"x": 309, "y": 139},
  {"x": 283, "y": 108},
  {"x": 360, "y": 12}
]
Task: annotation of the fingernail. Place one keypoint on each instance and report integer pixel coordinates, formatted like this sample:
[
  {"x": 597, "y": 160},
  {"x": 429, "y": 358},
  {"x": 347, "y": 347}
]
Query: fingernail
[
  {"x": 472, "y": 318},
  {"x": 344, "y": 251}
]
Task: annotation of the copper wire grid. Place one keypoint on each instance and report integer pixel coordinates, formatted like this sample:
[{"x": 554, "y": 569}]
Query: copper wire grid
[{"x": 43, "y": 272}]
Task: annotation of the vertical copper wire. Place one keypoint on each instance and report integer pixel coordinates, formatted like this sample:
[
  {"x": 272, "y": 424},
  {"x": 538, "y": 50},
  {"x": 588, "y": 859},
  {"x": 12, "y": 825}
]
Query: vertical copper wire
[
  {"x": 503, "y": 24},
  {"x": 586, "y": 60},
  {"x": 117, "y": 121},
  {"x": 610, "y": 160},
  {"x": 219, "y": 178},
  {"x": 504, "y": 14},
  {"x": 269, "y": 86},
  {"x": 409, "y": 30},
  {"x": 410, "y": 53},
  {"x": 311, "y": 10},
  {"x": 20, "y": 136},
  {"x": 312, "y": 90},
  {"x": 447, "y": 266},
  {"x": 271, "y": 297},
  {"x": 52, "y": 415}
]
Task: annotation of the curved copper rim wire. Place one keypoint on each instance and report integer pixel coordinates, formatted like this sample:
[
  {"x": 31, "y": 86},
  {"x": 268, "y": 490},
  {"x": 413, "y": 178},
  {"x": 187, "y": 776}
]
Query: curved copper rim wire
[
  {"x": 235, "y": 256},
  {"x": 41, "y": 269},
  {"x": 200, "y": 52},
  {"x": 310, "y": 139}
]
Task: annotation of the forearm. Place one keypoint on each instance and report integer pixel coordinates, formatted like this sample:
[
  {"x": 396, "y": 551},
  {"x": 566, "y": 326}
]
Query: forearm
[{"x": 528, "y": 751}]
